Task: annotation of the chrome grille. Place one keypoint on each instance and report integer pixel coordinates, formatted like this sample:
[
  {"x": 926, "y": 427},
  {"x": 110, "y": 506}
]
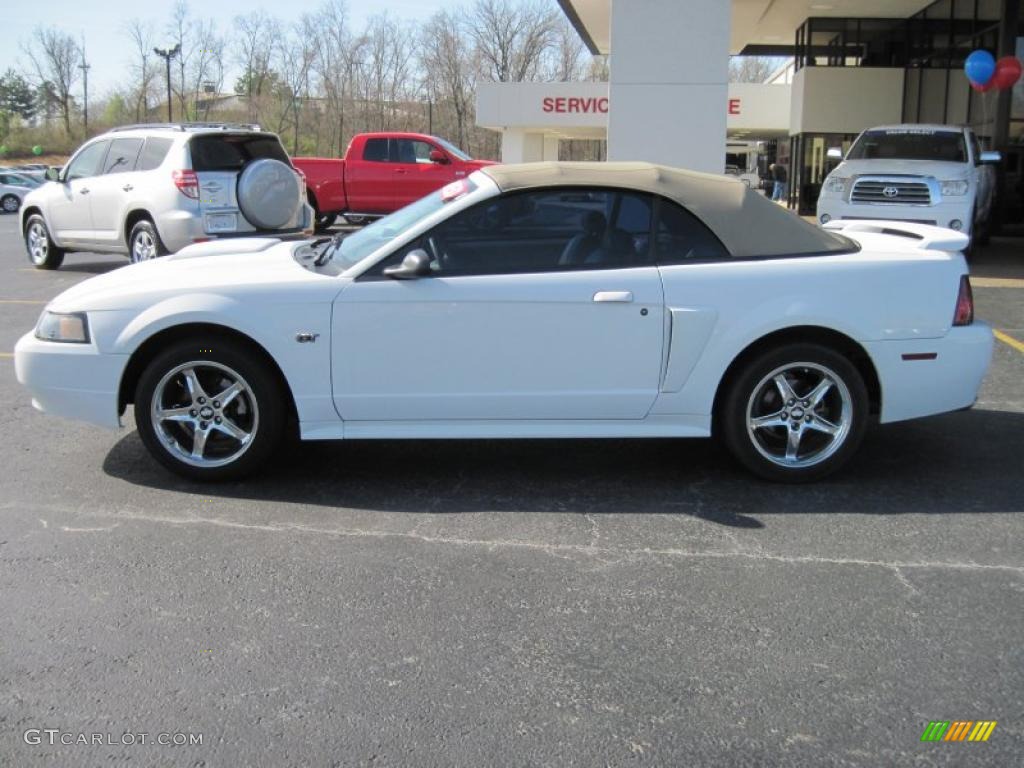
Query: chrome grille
[{"x": 882, "y": 191}]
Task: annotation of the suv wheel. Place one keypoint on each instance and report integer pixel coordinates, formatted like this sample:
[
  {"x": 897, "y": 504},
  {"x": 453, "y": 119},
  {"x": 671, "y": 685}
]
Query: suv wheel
[
  {"x": 796, "y": 413},
  {"x": 208, "y": 409},
  {"x": 41, "y": 251},
  {"x": 144, "y": 243}
]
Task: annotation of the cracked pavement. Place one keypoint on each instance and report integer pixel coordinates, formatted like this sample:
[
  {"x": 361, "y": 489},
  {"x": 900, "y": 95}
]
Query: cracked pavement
[{"x": 512, "y": 603}]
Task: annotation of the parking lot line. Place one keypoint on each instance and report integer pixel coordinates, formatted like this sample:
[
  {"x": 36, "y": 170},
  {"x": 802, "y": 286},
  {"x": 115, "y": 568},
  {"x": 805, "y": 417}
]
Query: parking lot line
[
  {"x": 22, "y": 301},
  {"x": 997, "y": 282},
  {"x": 1007, "y": 339},
  {"x": 6, "y": 354}
]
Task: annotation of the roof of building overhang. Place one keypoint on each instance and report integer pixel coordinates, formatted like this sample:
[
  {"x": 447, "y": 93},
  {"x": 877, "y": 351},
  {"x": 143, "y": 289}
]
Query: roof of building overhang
[{"x": 771, "y": 23}]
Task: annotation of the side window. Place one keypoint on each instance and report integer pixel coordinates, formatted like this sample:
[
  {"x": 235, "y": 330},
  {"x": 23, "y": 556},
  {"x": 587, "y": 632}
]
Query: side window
[
  {"x": 153, "y": 153},
  {"x": 542, "y": 231},
  {"x": 376, "y": 150},
  {"x": 680, "y": 237},
  {"x": 88, "y": 161},
  {"x": 410, "y": 151},
  {"x": 975, "y": 148},
  {"x": 122, "y": 155}
]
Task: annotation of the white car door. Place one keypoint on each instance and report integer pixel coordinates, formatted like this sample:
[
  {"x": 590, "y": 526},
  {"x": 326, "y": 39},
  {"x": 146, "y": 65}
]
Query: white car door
[
  {"x": 535, "y": 308},
  {"x": 109, "y": 190},
  {"x": 68, "y": 208}
]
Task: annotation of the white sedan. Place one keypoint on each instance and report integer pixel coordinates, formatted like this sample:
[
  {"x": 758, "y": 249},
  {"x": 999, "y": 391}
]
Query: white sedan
[{"x": 544, "y": 300}]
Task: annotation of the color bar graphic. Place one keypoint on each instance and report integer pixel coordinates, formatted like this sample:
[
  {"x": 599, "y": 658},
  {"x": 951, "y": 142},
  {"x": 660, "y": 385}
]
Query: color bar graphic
[{"x": 958, "y": 730}]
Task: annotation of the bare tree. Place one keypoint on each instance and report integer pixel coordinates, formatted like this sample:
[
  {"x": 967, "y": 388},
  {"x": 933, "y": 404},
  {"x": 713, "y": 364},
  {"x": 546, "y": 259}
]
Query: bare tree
[
  {"x": 253, "y": 45},
  {"x": 55, "y": 57},
  {"x": 144, "y": 71},
  {"x": 566, "y": 58},
  {"x": 511, "y": 38},
  {"x": 333, "y": 68},
  {"x": 753, "y": 69},
  {"x": 448, "y": 70}
]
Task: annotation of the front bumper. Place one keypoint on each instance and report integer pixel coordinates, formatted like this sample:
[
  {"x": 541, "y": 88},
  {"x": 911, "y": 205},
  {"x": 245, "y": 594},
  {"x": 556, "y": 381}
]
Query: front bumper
[
  {"x": 939, "y": 215},
  {"x": 75, "y": 381},
  {"x": 919, "y": 386}
]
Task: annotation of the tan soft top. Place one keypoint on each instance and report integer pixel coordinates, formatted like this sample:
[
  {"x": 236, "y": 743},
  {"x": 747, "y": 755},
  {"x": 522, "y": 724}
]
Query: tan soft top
[{"x": 746, "y": 222}]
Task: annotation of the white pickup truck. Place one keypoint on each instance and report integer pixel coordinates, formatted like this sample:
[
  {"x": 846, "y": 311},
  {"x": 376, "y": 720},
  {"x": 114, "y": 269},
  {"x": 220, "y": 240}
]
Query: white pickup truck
[{"x": 932, "y": 174}]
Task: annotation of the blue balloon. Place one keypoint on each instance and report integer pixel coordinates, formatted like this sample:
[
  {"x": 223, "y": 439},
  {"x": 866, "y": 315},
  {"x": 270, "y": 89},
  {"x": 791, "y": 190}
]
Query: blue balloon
[{"x": 980, "y": 66}]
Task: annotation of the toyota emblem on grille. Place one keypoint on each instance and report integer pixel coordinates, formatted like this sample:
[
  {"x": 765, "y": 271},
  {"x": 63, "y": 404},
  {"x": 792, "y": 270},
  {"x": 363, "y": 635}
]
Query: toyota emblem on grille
[{"x": 890, "y": 191}]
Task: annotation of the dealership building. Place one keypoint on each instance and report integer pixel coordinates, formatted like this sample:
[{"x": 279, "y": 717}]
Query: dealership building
[{"x": 855, "y": 64}]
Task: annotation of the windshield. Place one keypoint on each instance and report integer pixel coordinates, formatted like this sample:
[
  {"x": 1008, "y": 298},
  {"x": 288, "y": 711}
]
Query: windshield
[
  {"x": 361, "y": 244},
  {"x": 451, "y": 149},
  {"x": 910, "y": 144}
]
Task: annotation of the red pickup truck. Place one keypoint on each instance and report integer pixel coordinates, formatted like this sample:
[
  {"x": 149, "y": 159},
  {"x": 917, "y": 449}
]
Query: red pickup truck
[{"x": 380, "y": 173}]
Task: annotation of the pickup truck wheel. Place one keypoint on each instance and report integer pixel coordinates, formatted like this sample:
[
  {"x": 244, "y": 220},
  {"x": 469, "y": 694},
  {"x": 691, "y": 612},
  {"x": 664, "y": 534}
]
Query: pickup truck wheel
[
  {"x": 41, "y": 251},
  {"x": 144, "y": 242},
  {"x": 208, "y": 409},
  {"x": 325, "y": 221},
  {"x": 796, "y": 413},
  {"x": 356, "y": 221}
]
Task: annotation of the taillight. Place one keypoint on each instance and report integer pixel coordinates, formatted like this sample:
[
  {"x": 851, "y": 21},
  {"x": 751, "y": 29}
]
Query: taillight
[
  {"x": 187, "y": 183},
  {"x": 964, "y": 314}
]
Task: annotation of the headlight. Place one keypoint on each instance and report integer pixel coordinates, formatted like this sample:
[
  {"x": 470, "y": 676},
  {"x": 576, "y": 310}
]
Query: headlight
[
  {"x": 836, "y": 184},
  {"x": 953, "y": 188},
  {"x": 72, "y": 328}
]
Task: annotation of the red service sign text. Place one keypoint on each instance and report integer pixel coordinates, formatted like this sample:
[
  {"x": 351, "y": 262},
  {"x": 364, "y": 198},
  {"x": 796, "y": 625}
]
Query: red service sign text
[{"x": 572, "y": 104}]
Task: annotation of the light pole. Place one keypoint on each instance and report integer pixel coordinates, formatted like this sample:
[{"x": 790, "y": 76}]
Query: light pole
[
  {"x": 167, "y": 54},
  {"x": 85, "y": 67}
]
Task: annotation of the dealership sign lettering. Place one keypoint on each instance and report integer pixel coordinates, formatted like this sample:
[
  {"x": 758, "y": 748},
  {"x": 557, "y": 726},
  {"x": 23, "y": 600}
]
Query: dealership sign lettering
[{"x": 599, "y": 105}]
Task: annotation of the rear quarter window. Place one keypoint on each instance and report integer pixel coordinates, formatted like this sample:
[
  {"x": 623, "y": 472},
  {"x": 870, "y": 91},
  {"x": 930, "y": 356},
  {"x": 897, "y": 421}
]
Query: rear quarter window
[
  {"x": 233, "y": 152},
  {"x": 153, "y": 153}
]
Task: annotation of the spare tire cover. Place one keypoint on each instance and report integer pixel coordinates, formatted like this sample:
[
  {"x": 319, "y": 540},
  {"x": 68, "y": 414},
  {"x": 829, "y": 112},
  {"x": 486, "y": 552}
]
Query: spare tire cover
[{"x": 268, "y": 193}]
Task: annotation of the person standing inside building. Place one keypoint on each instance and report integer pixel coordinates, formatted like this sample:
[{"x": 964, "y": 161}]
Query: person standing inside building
[{"x": 780, "y": 177}]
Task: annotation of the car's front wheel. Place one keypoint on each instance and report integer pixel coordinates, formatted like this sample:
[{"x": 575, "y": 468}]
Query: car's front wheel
[
  {"x": 40, "y": 247},
  {"x": 796, "y": 413},
  {"x": 210, "y": 409}
]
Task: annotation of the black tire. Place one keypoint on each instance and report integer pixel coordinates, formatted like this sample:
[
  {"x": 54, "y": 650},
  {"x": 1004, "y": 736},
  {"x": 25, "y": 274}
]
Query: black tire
[
  {"x": 42, "y": 253},
  {"x": 324, "y": 221},
  {"x": 259, "y": 409},
  {"x": 10, "y": 204},
  {"x": 144, "y": 242},
  {"x": 844, "y": 406},
  {"x": 355, "y": 220}
]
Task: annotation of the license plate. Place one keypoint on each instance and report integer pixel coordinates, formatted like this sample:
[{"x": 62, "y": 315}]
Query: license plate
[{"x": 221, "y": 222}]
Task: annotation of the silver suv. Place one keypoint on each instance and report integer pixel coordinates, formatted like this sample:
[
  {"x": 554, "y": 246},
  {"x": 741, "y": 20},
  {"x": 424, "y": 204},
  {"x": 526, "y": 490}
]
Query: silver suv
[{"x": 148, "y": 190}]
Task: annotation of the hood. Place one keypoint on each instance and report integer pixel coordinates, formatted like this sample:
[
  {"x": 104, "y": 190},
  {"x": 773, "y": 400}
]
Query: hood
[
  {"x": 478, "y": 164},
  {"x": 940, "y": 169},
  {"x": 251, "y": 266}
]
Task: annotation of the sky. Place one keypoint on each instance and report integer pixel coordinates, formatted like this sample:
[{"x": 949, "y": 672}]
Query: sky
[{"x": 108, "y": 49}]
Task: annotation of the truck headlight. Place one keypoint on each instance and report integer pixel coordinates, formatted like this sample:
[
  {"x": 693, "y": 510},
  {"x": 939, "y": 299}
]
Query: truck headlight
[
  {"x": 954, "y": 188},
  {"x": 835, "y": 184},
  {"x": 72, "y": 328}
]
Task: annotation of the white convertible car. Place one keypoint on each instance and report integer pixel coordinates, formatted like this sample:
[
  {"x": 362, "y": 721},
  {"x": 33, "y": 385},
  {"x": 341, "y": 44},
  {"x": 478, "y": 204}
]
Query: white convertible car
[{"x": 540, "y": 300}]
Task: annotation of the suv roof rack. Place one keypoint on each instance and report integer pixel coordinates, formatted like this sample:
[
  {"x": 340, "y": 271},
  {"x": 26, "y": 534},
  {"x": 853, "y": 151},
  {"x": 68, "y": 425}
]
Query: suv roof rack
[{"x": 189, "y": 127}]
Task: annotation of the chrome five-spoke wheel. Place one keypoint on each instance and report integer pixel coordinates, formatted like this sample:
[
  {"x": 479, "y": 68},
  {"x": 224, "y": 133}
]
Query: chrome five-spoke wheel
[
  {"x": 38, "y": 241},
  {"x": 799, "y": 414},
  {"x": 204, "y": 413},
  {"x": 143, "y": 246}
]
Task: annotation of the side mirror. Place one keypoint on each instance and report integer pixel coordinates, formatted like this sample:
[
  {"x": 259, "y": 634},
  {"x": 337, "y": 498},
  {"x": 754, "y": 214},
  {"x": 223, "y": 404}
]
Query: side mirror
[
  {"x": 415, "y": 264},
  {"x": 990, "y": 158},
  {"x": 52, "y": 174},
  {"x": 437, "y": 156},
  {"x": 834, "y": 153}
]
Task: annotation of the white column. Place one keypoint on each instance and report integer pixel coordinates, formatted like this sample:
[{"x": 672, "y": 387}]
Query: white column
[
  {"x": 550, "y": 147},
  {"x": 669, "y": 82},
  {"x": 519, "y": 146}
]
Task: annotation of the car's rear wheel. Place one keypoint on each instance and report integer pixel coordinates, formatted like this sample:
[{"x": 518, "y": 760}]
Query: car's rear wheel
[
  {"x": 41, "y": 251},
  {"x": 325, "y": 221},
  {"x": 209, "y": 409},
  {"x": 796, "y": 413},
  {"x": 144, "y": 242},
  {"x": 10, "y": 203}
]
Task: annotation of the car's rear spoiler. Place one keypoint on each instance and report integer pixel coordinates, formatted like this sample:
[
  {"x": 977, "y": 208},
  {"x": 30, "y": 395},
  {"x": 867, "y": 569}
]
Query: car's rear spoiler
[{"x": 929, "y": 237}]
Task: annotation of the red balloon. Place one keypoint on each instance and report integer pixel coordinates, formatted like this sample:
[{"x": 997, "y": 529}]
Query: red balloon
[
  {"x": 1008, "y": 71},
  {"x": 983, "y": 88}
]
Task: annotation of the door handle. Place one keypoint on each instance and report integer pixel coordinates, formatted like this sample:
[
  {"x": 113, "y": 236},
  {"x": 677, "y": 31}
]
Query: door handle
[
  {"x": 400, "y": 170},
  {"x": 617, "y": 296},
  {"x": 127, "y": 187},
  {"x": 83, "y": 191}
]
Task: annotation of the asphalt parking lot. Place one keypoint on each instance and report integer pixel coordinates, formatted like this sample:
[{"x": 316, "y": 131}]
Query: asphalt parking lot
[{"x": 514, "y": 603}]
